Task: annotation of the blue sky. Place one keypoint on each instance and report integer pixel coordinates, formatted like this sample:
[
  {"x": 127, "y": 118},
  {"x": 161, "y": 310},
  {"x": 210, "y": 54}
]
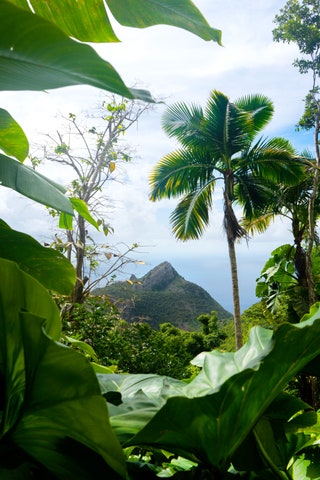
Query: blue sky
[{"x": 176, "y": 65}]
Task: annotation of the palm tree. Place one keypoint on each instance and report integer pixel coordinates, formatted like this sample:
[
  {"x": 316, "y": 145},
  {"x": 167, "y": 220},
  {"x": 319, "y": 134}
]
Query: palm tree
[
  {"x": 293, "y": 203},
  {"x": 217, "y": 148}
]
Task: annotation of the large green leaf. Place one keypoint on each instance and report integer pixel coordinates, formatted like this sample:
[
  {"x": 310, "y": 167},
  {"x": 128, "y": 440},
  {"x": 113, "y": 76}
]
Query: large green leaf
[
  {"x": 223, "y": 404},
  {"x": 47, "y": 265},
  {"x": 12, "y": 138},
  {"x": 36, "y": 55},
  {"x": 52, "y": 408},
  {"x": 179, "y": 13},
  {"x": 141, "y": 396},
  {"x": 32, "y": 184},
  {"x": 88, "y": 21}
]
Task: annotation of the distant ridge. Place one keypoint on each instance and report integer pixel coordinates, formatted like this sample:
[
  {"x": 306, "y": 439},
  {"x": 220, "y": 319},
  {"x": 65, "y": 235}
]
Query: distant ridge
[{"x": 161, "y": 296}]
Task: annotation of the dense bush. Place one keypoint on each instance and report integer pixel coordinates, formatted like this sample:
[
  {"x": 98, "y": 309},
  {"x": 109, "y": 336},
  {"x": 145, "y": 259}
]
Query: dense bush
[{"x": 137, "y": 347}]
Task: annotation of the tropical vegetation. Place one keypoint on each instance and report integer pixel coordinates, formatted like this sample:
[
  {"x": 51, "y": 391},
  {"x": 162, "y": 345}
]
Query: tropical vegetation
[
  {"x": 64, "y": 417},
  {"x": 299, "y": 22},
  {"x": 219, "y": 146}
]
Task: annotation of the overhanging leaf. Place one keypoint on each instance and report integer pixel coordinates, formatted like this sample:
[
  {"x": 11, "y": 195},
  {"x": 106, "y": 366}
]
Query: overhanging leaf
[
  {"x": 88, "y": 21},
  {"x": 36, "y": 55},
  {"x": 13, "y": 140},
  {"x": 31, "y": 184},
  {"x": 179, "y": 13},
  {"x": 47, "y": 265}
]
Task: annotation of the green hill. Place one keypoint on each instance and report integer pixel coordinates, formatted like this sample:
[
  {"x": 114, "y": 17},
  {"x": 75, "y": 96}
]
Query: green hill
[{"x": 161, "y": 296}]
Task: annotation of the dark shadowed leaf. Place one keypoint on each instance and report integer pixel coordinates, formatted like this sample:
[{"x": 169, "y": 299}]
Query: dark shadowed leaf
[{"x": 52, "y": 408}]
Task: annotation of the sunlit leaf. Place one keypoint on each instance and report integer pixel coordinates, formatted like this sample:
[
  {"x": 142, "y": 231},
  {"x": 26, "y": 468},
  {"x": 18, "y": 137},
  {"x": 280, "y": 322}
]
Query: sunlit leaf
[
  {"x": 36, "y": 55},
  {"x": 82, "y": 208},
  {"x": 88, "y": 21},
  {"x": 13, "y": 140},
  {"x": 178, "y": 13},
  {"x": 208, "y": 419}
]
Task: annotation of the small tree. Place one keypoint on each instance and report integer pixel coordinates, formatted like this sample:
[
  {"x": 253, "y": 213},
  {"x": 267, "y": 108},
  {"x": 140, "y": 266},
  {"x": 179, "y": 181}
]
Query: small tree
[
  {"x": 93, "y": 154},
  {"x": 299, "y": 23}
]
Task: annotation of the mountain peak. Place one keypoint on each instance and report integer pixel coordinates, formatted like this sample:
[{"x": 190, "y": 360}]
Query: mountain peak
[
  {"x": 160, "y": 296},
  {"x": 160, "y": 277}
]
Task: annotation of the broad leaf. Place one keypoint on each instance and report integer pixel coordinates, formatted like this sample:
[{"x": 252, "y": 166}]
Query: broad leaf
[
  {"x": 65, "y": 220},
  {"x": 47, "y": 265},
  {"x": 36, "y": 55},
  {"x": 84, "y": 347},
  {"x": 88, "y": 21},
  {"x": 145, "y": 13},
  {"x": 142, "y": 395},
  {"x": 13, "y": 140},
  {"x": 53, "y": 410},
  {"x": 31, "y": 184},
  {"x": 231, "y": 394}
]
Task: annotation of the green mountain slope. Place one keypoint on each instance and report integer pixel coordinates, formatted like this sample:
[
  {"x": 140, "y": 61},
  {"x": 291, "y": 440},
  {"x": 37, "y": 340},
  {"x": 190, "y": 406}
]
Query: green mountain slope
[{"x": 160, "y": 296}]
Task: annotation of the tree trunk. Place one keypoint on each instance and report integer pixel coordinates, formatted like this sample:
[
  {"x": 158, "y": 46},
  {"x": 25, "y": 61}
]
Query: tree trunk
[
  {"x": 311, "y": 218},
  {"x": 77, "y": 293},
  {"x": 233, "y": 231},
  {"x": 235, "y": 293}
]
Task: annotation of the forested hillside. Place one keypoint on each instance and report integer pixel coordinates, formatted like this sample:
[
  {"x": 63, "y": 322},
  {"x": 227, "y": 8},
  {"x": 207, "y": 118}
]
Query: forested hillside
[{"x": 161, "y": 296}]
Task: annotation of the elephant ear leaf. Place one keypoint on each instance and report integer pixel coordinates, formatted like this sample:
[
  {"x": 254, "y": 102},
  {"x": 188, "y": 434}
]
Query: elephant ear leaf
[
  {"x": 236, "y": 391},
  {"x": 53, "y": 412}
]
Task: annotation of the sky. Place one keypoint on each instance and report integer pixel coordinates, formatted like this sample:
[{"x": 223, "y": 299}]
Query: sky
[{"x": 177, "y": 66}]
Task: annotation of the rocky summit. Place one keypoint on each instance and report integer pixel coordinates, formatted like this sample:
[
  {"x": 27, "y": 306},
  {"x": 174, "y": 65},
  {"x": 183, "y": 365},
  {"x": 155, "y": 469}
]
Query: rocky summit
[{"x": 161, "y": 296}]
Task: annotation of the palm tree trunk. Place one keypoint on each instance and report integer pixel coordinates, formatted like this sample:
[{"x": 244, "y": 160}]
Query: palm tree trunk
[
  {"x": 235, "y": 293},
  {"x": 233, "y": 231}
]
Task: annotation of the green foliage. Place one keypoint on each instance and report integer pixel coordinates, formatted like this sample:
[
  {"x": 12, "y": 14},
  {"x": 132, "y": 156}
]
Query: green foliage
[
  {"x": 47, "y": 265},
  {"x": 299, "y": 22},
  {"x": 54, "y": 421},
  {"x": 218, "y": 146},
  {"x": 238, "y": 417},
  {"x": 256, "y": 315},
  {"x": 136, "y": 347},
  {"x": 279, "y": 278},
  {"x": 47, "y": 392}
]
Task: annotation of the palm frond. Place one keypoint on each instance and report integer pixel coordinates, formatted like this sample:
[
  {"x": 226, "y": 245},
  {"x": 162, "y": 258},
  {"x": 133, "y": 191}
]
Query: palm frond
[
  {"x": 260, "y": 110},
  {"x": 259, "y": 224},
  {"x": 224, "y": 127},
  {"x": 274, "y": 160},
  {"x": 255, "y": 195},
  {"x": 179, "y": 172},
  {"x": 183, "y": 122},
  {"x": 191, "y": 216}
]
